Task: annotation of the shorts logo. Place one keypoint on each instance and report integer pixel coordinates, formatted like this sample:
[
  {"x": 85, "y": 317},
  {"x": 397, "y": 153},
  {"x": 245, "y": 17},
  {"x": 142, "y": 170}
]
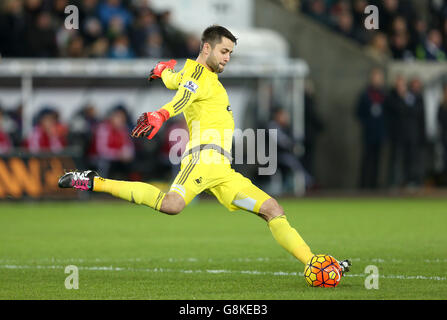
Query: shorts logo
[
  {"x": 228, "y": 108},
  {"x": 191, "y": 86},
  {"x": 198, "y": 180}
]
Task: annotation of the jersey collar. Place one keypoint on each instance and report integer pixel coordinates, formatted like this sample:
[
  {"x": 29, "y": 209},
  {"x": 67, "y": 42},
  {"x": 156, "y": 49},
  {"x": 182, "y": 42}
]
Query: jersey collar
[{"x": 191, "y": 62}]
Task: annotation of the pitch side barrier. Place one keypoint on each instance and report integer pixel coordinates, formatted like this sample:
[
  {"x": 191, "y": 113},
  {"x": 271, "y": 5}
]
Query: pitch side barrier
[{"x": 25, "y": 175}]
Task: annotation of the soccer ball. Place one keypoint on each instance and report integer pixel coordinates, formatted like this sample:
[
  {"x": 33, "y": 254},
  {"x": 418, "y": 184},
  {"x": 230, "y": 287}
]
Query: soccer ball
[{"x": 322, "y": 271}]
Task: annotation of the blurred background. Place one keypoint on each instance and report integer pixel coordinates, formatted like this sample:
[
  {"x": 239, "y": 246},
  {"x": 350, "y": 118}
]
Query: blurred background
[{"x": 357, "y": 110}]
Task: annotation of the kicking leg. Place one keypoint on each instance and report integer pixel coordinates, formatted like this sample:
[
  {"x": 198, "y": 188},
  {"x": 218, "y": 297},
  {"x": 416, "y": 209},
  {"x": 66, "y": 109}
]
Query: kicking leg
[
  {"x": 283, "y": 233},
  {"x": 136, "y": 192},
  {"x": 255, "y": 200}
]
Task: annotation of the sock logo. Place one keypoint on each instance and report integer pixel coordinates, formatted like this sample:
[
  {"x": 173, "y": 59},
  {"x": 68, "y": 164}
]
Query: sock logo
[{"x": 131, "y": 197}]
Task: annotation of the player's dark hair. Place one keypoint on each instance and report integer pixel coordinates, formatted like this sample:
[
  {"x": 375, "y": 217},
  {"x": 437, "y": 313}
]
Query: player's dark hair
[{"x": 213, "y": 35}]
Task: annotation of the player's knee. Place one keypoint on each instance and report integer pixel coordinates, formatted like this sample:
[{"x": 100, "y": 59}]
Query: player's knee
[
  {"x": 172, "y": 204},
  {"x": 271, "y": 209}
]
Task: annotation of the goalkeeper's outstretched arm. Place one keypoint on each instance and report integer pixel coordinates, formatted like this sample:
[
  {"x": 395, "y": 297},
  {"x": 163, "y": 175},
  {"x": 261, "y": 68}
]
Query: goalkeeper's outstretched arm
[
  {"x": 171, "y": 79},
  {"x": 165, "y": 71}
]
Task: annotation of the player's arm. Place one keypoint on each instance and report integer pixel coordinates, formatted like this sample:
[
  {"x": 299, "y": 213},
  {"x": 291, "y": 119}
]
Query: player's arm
[
  {"x": 156, "y": 72},
  {"x": 150, "y": 122},
  {"x": 171, "y": 79},
  {"x": 188, "y": 91},
  {"x": 165, "y": 71}
]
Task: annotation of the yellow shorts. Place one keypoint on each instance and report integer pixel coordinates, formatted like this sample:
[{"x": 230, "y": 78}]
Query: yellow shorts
[{"x": 209, "y": 171}]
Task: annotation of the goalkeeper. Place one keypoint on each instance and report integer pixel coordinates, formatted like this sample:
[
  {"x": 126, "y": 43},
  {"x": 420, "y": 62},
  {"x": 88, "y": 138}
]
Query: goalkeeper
[{"x": 206, "y": 163}]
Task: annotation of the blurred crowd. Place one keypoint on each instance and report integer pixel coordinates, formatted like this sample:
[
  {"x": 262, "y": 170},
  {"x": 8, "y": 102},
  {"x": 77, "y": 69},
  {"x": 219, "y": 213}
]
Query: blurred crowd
[
  {"x": 393, "y": 124},
  {"x": 100, "y": 143},
  {"x": 405, "y": 32},
  {"x": 107, "y": 29},
  {"x": 395, "y": 149}
]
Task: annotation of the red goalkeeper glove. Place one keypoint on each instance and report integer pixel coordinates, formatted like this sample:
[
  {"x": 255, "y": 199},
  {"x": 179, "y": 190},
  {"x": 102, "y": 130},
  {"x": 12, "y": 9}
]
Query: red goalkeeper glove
[
  {"x": 149, "y": 123},
  {"x": 158, "y": 69}
]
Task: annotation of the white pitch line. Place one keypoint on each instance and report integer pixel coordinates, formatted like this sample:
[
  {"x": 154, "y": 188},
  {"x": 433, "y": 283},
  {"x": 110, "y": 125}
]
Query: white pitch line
[
  {"x": 191, "y": 259},
  {"x": 212, "y": 271}
]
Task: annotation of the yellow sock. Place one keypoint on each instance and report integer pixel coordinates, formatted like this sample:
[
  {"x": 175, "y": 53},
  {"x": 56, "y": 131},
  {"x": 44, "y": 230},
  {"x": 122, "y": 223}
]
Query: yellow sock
[
  {"x": 137, "y": 192},
  {"x": 289, "y": 238}
]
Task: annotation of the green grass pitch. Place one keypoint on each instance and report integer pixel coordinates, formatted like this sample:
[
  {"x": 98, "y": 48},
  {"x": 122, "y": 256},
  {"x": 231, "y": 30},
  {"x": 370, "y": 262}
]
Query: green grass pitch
[{"x": 126, "y": 251}]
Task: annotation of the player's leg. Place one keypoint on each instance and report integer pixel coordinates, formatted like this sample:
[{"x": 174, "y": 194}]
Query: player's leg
[
  {"x": 238, "y": 192},
  {"x": 136, "y": 192},
  {"x": 253, "y": 199},
  {"x": 273, "y": 214}
]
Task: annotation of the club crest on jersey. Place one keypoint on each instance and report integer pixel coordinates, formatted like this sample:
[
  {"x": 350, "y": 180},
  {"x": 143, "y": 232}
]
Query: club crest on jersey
[
  {"x": 198, "y": 180},
  {"x": 191, "y": 86}
]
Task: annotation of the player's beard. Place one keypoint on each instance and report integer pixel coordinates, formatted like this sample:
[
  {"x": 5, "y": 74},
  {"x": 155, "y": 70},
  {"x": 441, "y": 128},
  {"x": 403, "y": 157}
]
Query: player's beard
[{"x": 212, "y": 62}]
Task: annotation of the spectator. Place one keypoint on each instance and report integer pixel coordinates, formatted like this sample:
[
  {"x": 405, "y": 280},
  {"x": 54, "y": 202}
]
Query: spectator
[
  {"x": 121, "y": 49},
  {"x": 313, "y": 127},
  {"x": 92, "y": 30},
  {"x": 287, "y": 149},
  {"x": 431, "y": 49},
  {"x": 317, "y": 10},
  {"x": 58, "y": 11},
  {"x": 114, "y": 147},
  {"x": 416, "y": 174},
  {"x": 399, "y": 25},
  {"x": 32, "y": 9},
  {"x": 88, "y": 9},
  {"x": 155, "y": 47},
  {"x": 394, "y": 104},
  {"x": 116, "y": 28},
  {"x": 418, "y": 33},
  {"x": 378, "y": 47},
  {"x": 64, "y": 37},
  {"x": 358, "y": 13},
  {"x": 99, "y": 49},
  {"x": 145, "y": 24},
  {"x": 47, "y": 135},
  {"x": 400, "y": 47},
  {"x": 388, "y": 9},
  {"x": 41, "y": 37},
  {"x": 345, "y": 25},
  {"x": 370, "y": 113},
  {"x": 75, "y": 47},
  {"x": 438, "y": 12},
  {"x": 5, "y": 140},
  {"x": 12, "y": 27},
  {"x": 14, "y": 125},
  {"x": 338, "y": 8},
  {"x": 405, "y": 114},
  {"x": 110, "y": 9},
  {"x": 81, "y": 132}
]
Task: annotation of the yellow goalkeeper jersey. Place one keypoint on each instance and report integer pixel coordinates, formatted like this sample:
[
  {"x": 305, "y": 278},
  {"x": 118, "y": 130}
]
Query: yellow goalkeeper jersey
[{"x": 204, "y": 102}]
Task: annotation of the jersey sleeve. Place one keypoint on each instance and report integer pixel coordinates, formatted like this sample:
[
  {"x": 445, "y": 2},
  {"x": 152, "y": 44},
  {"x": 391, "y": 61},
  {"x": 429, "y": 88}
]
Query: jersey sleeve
[
  {"x": 190, "y": 89},
  {"x": 171, "y": 79}
]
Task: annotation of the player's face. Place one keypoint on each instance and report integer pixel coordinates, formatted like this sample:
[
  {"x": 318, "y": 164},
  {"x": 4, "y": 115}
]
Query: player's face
[{"x": 220, "y": 55}]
